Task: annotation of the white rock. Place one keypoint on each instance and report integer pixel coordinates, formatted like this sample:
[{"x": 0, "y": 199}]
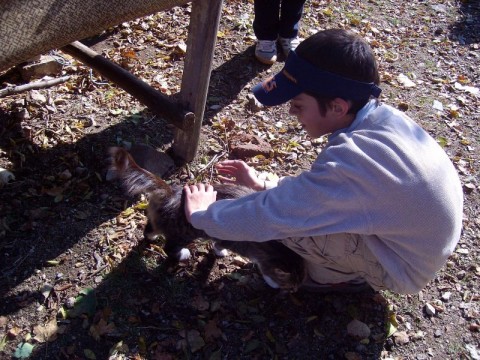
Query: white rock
[
  {"x": 419, "y": 335},
  {"x": 437, "y": 105},
  {"x": 45, "y": 66},
  {"x": 401, "y": 338},
  {"x": 5, "y": 177},
  {"x": 446, "y": 296},
  {"x": 474, "y": 351},
  {"x": 37, "y": 97},
  {"x": 405, "y": 81},
  {"x": 429, "y": 309},
  {"x": 470, "y": 89}
]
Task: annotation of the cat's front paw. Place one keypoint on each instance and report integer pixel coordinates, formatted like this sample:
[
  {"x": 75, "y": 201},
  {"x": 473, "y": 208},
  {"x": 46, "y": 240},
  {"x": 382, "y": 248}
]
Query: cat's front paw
[
  {"x": 184, "y": 254},
  {"x": 219, "y": 251}
]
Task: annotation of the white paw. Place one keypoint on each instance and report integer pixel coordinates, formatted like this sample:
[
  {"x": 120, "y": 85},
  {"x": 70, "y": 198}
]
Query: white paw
[
  {"x": 219, "y": 251},
  {"x": 270, "y": 282},
  {"x": 151, "y": 236},
  {"x": 184, "y": 254}
]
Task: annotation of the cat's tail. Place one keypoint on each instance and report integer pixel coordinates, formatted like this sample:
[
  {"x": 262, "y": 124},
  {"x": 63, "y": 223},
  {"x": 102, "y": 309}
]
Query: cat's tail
[{"x": 135, "y": 179}]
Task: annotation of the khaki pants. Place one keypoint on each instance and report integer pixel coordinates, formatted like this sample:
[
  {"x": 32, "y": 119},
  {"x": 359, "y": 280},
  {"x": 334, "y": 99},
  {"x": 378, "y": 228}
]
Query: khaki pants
[{"x": 336, "y": 258}]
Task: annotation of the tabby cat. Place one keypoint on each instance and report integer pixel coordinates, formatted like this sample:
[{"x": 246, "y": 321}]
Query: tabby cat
[{"x": 281, "y": 267}]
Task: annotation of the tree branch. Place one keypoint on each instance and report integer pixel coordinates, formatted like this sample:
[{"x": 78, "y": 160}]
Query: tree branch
[{"x": 9, "y": 90}]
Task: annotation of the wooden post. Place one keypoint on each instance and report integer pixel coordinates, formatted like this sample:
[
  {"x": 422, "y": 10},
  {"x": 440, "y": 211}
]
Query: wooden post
[{"x": 202, "y": 35}]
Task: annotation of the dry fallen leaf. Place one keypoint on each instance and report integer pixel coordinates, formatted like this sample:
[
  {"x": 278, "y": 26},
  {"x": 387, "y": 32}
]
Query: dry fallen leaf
[
  {"x": 102, "y": 328},
  {"x": 200, "y": 303},
  {"x": 191, "y": 339},
  {"x": 212, "y": 331},
  {"x": 47, "y": 332}
]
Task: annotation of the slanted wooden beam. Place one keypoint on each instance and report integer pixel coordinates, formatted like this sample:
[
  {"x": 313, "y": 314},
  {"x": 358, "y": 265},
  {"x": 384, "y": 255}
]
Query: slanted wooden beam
[{"x": 157, "y": 102}]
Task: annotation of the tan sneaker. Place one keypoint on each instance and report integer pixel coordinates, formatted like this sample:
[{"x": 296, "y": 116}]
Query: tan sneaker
[
  {"x": 288, "y": 44},
  {"x": 266, "y": 51}
]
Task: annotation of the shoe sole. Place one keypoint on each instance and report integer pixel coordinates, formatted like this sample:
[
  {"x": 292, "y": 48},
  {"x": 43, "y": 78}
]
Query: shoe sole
[{"x": 266, "y": 62}]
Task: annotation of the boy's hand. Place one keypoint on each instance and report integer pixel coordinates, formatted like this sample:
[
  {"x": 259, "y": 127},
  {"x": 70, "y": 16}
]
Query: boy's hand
[
  {"x": 198, "y": 197},
  {"x": 238, "y": 172}
]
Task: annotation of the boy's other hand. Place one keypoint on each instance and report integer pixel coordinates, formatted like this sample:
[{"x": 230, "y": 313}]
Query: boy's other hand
[{"x": 238, "y": 172}]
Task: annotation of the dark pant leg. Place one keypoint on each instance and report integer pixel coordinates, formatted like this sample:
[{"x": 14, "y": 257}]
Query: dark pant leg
[
  {"x": 290, "y": 15},
  {"x": 267, "y": 19}
]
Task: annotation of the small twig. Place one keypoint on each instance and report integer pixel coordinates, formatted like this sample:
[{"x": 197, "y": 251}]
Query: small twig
[
  {"x": 189, "y": 172},
  {"x": 209, "y": 164},
  {"x": 164, "y": 256},
  {"x": 155, "y": 328},
  {"x": 9, "y": 90},
  {"x": 226, "y": 140},
  {"x": 97, "y": 271},
  {"x": 149, "y": 120},
  {"x": 90, "y": 73}
]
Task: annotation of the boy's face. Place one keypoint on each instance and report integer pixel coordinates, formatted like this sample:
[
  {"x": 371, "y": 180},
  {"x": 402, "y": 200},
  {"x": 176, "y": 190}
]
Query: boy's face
[{"x": 305, "y": 108}]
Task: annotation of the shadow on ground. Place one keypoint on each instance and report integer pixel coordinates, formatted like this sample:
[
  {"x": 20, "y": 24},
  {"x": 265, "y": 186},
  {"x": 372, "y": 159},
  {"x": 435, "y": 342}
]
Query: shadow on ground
[
  {"x": 172, "y": 311},
  {"x": 466, "y": 31},
  {"x": 81, "y": 203}
]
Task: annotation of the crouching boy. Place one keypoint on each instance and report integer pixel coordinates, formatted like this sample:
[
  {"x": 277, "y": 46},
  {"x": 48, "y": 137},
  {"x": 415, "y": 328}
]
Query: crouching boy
[{"x": 382, "y": 203}]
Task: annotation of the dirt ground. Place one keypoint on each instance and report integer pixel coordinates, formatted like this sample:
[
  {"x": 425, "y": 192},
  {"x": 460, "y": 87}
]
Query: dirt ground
[{"x": 77, "y": 279}]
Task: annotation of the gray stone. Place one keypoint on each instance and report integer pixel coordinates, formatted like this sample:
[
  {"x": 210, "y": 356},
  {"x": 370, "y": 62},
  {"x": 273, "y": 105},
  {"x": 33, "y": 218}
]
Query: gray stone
[{"x": 47, "y": 65}]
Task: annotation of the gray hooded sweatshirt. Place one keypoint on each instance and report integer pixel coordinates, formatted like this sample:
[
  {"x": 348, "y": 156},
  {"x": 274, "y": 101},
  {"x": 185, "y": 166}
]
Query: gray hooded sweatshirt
[{"x": 383, "y": 177}]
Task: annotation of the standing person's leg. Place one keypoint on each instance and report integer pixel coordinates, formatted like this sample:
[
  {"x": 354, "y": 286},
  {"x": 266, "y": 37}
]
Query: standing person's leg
[
  {"x": 290, "y": 15},
  {"x": 267, "y": 19},
  {"x": 266, "y": 26}
]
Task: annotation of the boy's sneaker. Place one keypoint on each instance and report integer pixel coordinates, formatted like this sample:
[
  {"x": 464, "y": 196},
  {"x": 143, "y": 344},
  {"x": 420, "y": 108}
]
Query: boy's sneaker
[
  {"x": 266, "y": 51},
  {"x": 288, "y": 44}
]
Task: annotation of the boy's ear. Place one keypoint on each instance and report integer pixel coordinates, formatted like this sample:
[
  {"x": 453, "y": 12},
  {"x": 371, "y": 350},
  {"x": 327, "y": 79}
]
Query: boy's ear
[{"x": 340, "y": 107}]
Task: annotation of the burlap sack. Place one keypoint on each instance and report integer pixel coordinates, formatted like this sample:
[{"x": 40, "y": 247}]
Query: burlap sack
[{"x": 33, "y": 27}]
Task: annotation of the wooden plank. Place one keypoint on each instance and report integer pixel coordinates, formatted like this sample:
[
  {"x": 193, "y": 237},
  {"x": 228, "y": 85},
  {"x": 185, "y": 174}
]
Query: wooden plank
[
  {"x": 157, "y": 102},
  {"x": 202, "y": 35}
]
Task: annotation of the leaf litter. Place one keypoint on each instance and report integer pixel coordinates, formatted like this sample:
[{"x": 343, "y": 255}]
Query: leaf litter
[{"x": 80, "y": 276}]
